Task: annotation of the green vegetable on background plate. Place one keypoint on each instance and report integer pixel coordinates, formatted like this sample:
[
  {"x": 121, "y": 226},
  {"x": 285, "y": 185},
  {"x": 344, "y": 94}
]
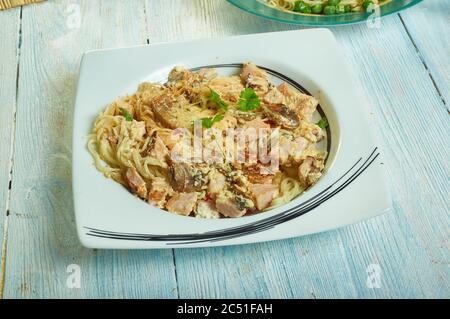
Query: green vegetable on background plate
[{"x": 331, "y": 7}]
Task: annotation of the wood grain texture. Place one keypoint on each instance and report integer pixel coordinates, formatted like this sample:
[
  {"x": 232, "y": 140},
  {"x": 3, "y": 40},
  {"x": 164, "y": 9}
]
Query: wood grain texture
[
  {"x": 428, "y": 24},
  {"x": 196, "y": 19},
  {"x": 410, "y": 118},
  {"x": 335, "y": 264},
  {"x": 42, "y": 241},
  {"x": 9, "y": 49},
  {"x": 411, "y": 244}
]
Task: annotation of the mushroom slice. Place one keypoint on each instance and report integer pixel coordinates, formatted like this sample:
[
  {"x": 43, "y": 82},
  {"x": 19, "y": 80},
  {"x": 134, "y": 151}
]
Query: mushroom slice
[
  {"x": 136, "y": 183},
  {"x": 282, "y": 115},
  {"x": 184, "y": 178}
]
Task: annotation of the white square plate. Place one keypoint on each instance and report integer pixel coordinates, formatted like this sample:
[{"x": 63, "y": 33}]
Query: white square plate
[{"x": 352, "y": 188}]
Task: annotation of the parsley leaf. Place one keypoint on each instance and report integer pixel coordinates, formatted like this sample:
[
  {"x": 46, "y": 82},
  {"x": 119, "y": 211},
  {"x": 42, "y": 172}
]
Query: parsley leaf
[
  {"x": 248, "y": 100},
  {"x": 126, "y": 115},
  {"x": 208, "y": 122},
  {"x": 323, "y": 123},
  {"x": 215, "y": 97}
]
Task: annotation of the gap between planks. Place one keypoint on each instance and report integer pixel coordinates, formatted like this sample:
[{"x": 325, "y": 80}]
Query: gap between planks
[
  {"x": 11, "y": 165},
  {"x": 422, "y": 60}
]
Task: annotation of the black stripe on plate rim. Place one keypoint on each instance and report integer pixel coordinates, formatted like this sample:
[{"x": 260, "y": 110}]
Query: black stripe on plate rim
[{"x": 329, "y": 192}]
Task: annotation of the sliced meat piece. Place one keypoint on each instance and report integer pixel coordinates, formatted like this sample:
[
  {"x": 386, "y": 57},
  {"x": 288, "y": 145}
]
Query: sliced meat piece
[
  {"x": 229, "y": 88},
  {"x": 228, "y": 206},
  {"x": 135, "y": 182},
  {"x": 182, "y": 203},
  {"x": 282, "y": 115},
  {"x": 216, "y": 182},
  {"x": 311, "y": 132},
  {"x": 310, "y": 171},
  {"x": 274, "y": 96},
  {"x": 137, "y": 130},
  {"x": 170, "y": 111},
  {"x": 258, "y": 173},
  {"x": 305, "y": 105},
  {"x": 206, "y": 210},
  {"x": 264, "y": 194},
  {"x": 297, "y": 148},
  {"x": 255, "y": 78},
  {"x": 158, "y": 192},
  {"x": 185, "y": 178},
  {"x": 156, "y": 147}
]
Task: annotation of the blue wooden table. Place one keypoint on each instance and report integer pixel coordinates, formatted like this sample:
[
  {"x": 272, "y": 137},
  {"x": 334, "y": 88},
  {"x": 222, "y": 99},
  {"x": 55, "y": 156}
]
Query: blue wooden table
[{"x": 404, "y": 67}]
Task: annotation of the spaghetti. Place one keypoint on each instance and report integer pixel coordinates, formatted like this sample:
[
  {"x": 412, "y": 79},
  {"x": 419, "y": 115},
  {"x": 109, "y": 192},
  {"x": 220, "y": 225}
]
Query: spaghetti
[{"x": 146, "y": 142}]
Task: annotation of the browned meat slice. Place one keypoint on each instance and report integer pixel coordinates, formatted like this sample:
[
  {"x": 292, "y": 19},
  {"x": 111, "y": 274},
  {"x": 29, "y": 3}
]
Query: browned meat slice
[
  {"x": 170, "y": 110},
  {"x": 305, "y": 105},
  {"x": 135, "y": 183},
  {"x": 264, "y": 194},
  {"x": 156, "y": 148},
  {"x": 274, "y": 96},
  {"x": 255, "y": 78},
  {"x": 216, "y": 182},
  {"x": 182, "y": 203},
  {"x": 310, "y": 171},
  {"x": 229, "y": 88},
  {"x": 184, "y": 178},
  {"x": 179, "y": 74},
  {"x": 158, "y": 192},
  {"x": 229, "y": 206},
  {"x": 282, "y": 115},
  {"x": 258, "y": 174}
]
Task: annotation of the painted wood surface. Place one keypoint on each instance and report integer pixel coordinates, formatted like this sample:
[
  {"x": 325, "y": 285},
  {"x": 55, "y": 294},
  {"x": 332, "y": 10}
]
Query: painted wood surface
[
  {"x": 393, "y": 64},
  {"x": 317, "y": 266},
  {"x": 9, "y": 46},
  {"x": 428, "y": 24},
  {"x": 42, "y": 240}
]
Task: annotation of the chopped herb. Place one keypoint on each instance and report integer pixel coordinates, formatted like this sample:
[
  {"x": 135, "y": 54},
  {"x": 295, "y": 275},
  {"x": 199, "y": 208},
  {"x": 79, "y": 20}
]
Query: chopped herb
[
  {"x": 215, "y": 97},
  {"x": 126, "y": 115},
  {"x": 208, "y": 122},
  {"x": 248, "y": 100},
  {"x": 323, "y": 123}
]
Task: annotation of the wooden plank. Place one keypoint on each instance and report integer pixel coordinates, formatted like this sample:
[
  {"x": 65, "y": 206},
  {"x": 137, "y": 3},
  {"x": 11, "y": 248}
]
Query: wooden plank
[
  {"x": 427, "y": 23},
  {"x": 196, "y": 19},
  {"x": 9, "y": 45},
  {"x": 334, "y": 264},
  {"x": 42, "y": 241},
  {"x": 410, "y": 117}
]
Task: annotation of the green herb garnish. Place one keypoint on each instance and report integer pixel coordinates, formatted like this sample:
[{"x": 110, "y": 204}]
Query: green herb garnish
[
  {"x": 208, "y": 122},
  {"x": 126, "y": 115},
  {"x": 215, "y": 98},
  {"x": 323, "y": 123},
  {"x": 248, "y": 100}
]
